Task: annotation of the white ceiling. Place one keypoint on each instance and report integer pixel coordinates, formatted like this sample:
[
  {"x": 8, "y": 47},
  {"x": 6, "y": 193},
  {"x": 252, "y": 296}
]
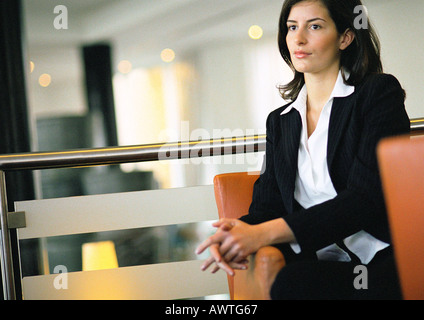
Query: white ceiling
[{"x": 146, "y": 26}]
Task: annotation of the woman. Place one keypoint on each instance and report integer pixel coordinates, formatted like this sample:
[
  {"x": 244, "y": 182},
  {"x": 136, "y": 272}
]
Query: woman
[{"x": 319, "y": 199}]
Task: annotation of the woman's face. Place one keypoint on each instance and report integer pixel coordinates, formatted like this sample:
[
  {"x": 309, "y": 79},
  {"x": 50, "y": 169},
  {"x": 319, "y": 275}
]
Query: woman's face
[{"x": 312, "y": 39}]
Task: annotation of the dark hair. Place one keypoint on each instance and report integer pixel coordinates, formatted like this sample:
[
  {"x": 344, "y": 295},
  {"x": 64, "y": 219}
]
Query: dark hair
[{"x": 360, "y": 59}]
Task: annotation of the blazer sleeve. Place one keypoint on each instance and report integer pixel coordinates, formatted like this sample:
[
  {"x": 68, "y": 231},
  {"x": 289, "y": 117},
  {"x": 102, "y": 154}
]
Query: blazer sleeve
[
  {"x": 267, "y": 203},
  {"x": 360, "y": 206}
]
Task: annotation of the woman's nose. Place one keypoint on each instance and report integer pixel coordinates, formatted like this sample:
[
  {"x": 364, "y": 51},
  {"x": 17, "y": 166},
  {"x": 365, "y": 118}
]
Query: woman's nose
[{"x": 300, "y": 37}]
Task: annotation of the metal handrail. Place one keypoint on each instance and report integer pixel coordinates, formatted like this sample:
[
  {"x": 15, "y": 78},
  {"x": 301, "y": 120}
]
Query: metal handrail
[
  {"x": 143, "y": 153},
  {"x": 116, "y": 155},
  {"x": 417, "y": 125}
]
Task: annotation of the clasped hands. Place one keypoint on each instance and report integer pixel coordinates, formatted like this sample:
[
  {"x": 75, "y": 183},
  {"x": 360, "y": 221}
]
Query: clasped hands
[
  {"x": 230, "y": 246},
  {"x": 235, "y": 240}
]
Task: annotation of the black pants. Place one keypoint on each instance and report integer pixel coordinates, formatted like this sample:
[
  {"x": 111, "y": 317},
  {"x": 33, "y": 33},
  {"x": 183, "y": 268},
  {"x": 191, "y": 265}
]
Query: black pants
[{"x": 311, "y": 279}]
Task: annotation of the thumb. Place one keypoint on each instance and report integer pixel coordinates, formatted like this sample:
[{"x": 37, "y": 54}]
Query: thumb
[{"x": 224, "y": 224}]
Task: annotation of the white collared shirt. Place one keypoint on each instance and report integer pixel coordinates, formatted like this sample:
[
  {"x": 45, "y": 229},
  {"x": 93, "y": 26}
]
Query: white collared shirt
[{"x": 313, "y": 183}]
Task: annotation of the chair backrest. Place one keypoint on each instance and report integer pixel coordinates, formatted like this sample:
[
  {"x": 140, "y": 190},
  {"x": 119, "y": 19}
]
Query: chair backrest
[
  {"x": 401, "y": 161},
  {"x": 233, "y": 193}
]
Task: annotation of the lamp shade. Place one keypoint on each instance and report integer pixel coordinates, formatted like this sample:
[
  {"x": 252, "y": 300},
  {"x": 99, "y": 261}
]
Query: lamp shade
[{"x": 99, "y": 256}]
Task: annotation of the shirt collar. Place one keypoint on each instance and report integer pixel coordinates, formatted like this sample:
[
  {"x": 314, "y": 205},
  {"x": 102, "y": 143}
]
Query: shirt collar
[{"x": 340, "y": 90}]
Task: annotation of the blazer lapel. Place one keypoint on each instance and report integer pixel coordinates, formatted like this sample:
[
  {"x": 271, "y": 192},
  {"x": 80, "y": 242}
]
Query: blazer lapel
[
  {"x": 291, "y": 127},
  {"x": 340, "y": 114}
]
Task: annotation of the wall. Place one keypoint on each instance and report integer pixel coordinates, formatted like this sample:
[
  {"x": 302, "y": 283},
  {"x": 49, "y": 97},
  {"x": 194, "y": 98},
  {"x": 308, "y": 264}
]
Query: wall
[{"x": 399, "y": 25}]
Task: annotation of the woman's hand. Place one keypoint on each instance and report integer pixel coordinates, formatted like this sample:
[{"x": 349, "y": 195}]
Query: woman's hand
[
  {"x": 230, "y": 246},
  {"x": 235, "y": 240},
  {"x": 228, "y": 267}
]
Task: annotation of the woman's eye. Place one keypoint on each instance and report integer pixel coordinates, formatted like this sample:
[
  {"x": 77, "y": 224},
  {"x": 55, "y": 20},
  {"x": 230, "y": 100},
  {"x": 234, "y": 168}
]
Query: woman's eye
[
  {"x": 292, "y": 28},
  {"x": 315, "y": 27}
]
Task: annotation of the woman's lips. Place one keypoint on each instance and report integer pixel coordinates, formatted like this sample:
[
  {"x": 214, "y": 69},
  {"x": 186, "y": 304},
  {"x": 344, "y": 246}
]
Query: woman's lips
[{"x": 301, "y": 54}]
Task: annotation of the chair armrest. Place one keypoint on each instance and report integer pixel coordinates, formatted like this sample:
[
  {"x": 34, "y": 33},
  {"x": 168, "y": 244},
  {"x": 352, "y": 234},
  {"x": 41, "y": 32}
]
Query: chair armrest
[
  {"x": 255, "y": 283},
  {"x": 268, "y": 262}
]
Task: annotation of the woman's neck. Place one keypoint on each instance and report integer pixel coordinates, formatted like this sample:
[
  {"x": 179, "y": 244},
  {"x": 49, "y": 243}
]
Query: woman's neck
[{"x": 319, "y": 87}]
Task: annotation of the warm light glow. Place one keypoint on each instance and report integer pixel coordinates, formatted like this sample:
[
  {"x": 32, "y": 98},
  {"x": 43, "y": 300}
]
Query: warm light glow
[
  {"x": 255, "y": 32},
  {"x": 45, "y": 80},
  {"x": 99, "y": 256},
  {"x": 167, "y": 55},
  {"x": 31, "y": 66},
  {"x": 125, "y": 66}
]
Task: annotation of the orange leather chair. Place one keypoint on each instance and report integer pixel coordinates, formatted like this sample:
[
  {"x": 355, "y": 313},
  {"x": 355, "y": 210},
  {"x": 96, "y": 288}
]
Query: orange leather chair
[
  {"x": 233, "y": 194},
  {"x": 401, "y": 161}
]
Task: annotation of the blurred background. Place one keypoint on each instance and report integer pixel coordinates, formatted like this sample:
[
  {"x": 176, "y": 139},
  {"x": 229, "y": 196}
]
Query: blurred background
[
  {"x": 131, "y": 72},
  {"x": 180, "y": 70}
]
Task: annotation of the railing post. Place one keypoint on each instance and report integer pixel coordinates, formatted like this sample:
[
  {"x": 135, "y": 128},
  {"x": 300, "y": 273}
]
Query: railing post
[{"x": 9, "y": 292}]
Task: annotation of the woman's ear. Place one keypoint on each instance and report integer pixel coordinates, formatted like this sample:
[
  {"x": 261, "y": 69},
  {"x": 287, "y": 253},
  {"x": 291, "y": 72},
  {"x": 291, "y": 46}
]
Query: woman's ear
[{"x": 346, "y": 39}]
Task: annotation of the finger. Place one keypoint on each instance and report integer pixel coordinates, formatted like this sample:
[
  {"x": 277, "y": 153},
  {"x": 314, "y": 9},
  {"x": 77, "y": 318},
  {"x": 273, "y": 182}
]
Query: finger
[
  {"x": 203, "y": 246},
  {"x": 215, "y": 253},
  {"x": 215, "y": 257},
  {"x": 224, "y": 266},
  {"x": 224, "y": 221},
  {"x": 225, "y": 227},
  {"x": 230, "y": 255},
  {"x": 233, "y": 265},
  {"x": 233, "y": 255},
  {"x": 220, "y": 262},
  {"x": 215, "y": 239},
  {"x": 230, "y": 251},
  {"x": 207, "y": 263},
  {"x": 215, "y": 268},
  {"x": 239, "y": 266}
]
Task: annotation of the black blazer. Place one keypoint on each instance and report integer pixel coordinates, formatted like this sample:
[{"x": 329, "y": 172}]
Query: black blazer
[{"x": 357, "y": 123}]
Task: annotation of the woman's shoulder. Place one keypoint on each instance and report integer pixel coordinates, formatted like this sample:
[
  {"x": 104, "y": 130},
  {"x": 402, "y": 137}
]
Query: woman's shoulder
[
  {"x": 383, "y": 81},
  {"x": 378, "y": 84},
  {"x": 277, "y": 112}
]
